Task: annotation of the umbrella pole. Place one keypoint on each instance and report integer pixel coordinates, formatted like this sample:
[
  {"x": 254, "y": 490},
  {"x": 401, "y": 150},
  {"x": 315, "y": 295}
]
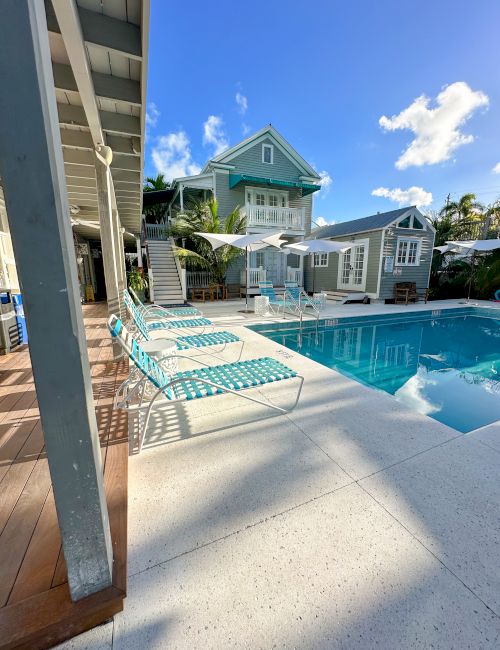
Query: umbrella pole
[
  {"x": 471, "y": 277},
  {"x": 246, "y": 277}
]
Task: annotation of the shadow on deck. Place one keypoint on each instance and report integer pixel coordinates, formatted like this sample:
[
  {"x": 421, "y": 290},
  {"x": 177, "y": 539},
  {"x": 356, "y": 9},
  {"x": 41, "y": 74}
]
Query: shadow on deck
[{"x": 36, "y": 610}]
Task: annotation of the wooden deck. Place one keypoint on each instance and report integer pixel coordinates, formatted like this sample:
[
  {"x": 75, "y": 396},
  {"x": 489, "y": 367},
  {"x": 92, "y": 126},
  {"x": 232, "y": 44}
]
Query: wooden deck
[{"x": 35, "y": 608}]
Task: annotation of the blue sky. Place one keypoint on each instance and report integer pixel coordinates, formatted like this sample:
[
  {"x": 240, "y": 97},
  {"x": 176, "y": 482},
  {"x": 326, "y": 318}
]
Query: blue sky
[{"x": 324, "y": 74}]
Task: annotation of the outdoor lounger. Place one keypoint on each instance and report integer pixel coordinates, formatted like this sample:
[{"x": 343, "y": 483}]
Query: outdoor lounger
[
  {"x": 198, "y": 383},
  {"x": 276, "y": 303},
  {"x": 300, "y": 296},
  {"x": 166, "y": 323},
  {"x": 157, "y": 311}
]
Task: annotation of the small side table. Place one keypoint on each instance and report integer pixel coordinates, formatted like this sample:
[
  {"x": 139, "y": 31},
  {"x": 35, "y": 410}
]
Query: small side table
[
  {"x": 261, "y": 305},
  {"x": 320, "y": 299},
  {"x": 162, "y": 349}
]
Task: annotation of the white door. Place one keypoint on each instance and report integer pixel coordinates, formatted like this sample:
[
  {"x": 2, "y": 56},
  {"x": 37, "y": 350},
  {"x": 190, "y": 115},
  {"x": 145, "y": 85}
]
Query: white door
[{"x": 352, "y": 267}]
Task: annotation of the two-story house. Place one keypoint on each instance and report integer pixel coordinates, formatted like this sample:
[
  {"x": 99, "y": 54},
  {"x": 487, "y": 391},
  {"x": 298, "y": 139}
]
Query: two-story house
[{"x": 272, "y": 185}]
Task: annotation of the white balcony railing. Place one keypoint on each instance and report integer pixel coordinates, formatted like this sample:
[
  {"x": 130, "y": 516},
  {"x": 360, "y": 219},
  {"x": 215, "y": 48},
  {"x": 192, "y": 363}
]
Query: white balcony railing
[
  {"x": 156, "y": 231},
  {"x": 254, "y": 277},
  {"x": 199, "y": 279},
  {"x": 273, "y": 217}
]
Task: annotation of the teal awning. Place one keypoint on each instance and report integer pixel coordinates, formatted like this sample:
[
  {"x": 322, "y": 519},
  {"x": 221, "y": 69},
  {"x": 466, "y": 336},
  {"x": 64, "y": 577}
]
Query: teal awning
[{"x": 307, "y": 188}]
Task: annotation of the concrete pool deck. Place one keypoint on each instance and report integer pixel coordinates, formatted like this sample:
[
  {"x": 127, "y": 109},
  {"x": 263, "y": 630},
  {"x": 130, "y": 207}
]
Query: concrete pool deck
[{"x": 351, "y": 522}]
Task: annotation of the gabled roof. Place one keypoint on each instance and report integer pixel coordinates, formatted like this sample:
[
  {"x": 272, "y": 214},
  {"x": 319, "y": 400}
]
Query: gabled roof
[
  {"x": 267, "y": 131},
  {"x": 373, "y": 222}
]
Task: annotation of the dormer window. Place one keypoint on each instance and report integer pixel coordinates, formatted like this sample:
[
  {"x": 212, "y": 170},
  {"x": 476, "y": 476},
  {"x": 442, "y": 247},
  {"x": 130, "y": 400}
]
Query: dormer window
[
  {"x": 411, "y": 222},
  {"x": 267, "y": 154}
]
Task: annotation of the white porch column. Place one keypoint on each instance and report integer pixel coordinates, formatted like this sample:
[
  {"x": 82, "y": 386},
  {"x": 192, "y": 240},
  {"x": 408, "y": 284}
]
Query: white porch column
[
  {"x": 139, "y": 252},
  {"x": 181, "y": 197},
  {"x": 32, "y": 171},
  {"x": 109, "y": 243}
]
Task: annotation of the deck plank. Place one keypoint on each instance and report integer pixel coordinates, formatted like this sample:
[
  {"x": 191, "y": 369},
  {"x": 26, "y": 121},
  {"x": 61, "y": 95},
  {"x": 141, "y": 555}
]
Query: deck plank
[{"x": 32, "y": 567}]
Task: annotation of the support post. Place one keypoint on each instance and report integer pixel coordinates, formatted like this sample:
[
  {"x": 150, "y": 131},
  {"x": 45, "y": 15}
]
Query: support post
[
  {"x": 109, "y": 244},
  {"x": 181, "y": 197},
  {"x": 139, "y": 252},
  {"x": 32, "y": 170}
]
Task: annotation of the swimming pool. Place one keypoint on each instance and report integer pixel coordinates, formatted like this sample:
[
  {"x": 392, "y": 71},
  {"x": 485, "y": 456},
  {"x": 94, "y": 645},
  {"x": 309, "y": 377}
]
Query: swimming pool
[{"x": 442, "y": 363}]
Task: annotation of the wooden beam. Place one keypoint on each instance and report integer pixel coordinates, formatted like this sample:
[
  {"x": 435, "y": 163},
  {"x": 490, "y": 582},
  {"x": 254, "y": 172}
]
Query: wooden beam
[
  {"x": 103, "y": 31},
  {"x": 79, "y": 74},
  {"x": 127, "y": 146},
  {"x": 123, "y": 176},
  {"x": 79, "y": 171},
  {"x": 105, "y": 86},
  {"x": 130, "y": 163},
  {"x": 78, "y": 157},
  {"x": 76, "y": 139},
  {"x": 115, "y": 123}
]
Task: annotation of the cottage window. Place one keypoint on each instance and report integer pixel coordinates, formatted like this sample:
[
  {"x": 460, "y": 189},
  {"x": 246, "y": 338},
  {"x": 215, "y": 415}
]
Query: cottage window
[
  {"x": 411, "y": 222},
  {"x": 273, "y": 200},
  {"x": 320, "y": 259},
  {"x": 267, "y": 153},
  {"x": 259, "y": 259},
  {"x": 260, "y": 199},
  {"x": 408, "y": 252}
]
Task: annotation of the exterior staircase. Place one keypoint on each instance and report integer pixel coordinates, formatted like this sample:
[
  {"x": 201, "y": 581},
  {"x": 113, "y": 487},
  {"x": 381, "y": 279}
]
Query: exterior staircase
[{"x": 165, "y": 270}]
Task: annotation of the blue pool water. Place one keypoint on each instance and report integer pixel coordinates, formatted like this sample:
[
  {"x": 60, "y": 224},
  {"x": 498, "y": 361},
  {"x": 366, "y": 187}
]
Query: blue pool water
[{"x": 445, "y": 364}]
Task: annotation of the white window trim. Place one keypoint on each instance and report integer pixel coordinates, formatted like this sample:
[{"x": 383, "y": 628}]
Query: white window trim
[
  {"x": 321, "y": 265},
  {"x": 410, "y": 227},
  {"x": 279, "y": 193},
  {"x": 355, "y": 242},
  {"x": 271, "y": 147},
  {"x": 419, "y": 249}
]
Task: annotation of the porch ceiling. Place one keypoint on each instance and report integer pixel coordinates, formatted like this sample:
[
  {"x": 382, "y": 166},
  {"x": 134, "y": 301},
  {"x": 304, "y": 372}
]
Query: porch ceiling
[{"x": 109, "y": 40}]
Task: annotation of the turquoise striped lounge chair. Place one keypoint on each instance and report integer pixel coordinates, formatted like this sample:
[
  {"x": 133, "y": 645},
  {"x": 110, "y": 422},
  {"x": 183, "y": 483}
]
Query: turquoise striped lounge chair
[
  {"x": 144, "y": 325},
  {"x": 194, "y": 341},
  {"x": 276, "y": 303},
  {"x": 157, "y": 311},
  {"x": 198, "y": 383},
  {"x": 300, "y": 296}
]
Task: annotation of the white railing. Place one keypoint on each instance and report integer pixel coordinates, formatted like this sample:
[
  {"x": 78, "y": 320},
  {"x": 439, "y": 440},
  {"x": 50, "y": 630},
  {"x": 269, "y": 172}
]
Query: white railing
[
  {"x": 254, "y": 277},
  {"x": 294, "y": 275},
  {"x": 270, "y": 217},
  {"x": 156, "y": 231},
  {"x": 198, "y": 278}
]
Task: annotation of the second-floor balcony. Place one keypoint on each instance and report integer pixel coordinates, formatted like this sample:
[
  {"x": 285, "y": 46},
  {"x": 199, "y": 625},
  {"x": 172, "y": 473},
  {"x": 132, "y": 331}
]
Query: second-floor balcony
[{"x": 267, "y": 216}]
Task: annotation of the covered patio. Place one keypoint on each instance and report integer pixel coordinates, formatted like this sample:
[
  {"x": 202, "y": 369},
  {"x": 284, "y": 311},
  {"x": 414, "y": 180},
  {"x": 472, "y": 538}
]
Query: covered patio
[{"x": 72, "y": 117}]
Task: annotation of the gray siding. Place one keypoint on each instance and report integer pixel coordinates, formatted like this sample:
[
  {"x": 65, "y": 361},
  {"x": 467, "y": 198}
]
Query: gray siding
[
  {"x": 418, "y": 274},
  {"x": 250, "y": 162},
  {"x": 326, "y": 277}
]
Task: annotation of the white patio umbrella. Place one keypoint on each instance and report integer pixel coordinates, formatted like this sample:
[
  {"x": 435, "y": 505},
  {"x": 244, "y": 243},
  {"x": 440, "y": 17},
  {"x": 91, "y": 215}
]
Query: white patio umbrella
[
  {"x": 312, "y": 246},
  {"x": 470, "y": 247},
  {"x": 247, "y": 243}
]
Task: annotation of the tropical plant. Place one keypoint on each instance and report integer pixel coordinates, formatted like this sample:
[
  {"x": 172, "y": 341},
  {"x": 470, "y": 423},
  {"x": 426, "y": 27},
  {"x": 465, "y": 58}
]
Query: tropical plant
[
  {"x": 155, "y": 213},
  {"x": 137, "y": 280},
  {"x": 195, "y": 251}
]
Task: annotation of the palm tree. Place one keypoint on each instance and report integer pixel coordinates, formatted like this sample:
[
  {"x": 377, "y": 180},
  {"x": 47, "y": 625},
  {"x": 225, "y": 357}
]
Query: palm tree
[
  {"x": 466, "y": 208},
  {"x": 155, "y": 213},
  {"x": 202, "y": 216},
  {"x": 492, "y": 220}
]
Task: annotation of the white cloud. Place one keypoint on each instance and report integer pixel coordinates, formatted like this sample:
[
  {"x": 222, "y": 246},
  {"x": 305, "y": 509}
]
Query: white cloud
[
  {"x": 496, "y": 168},
  {"x": 412, "y": 196},
  {"x": 437, "y": 132},
  {"x": 245, "y": 129},
  {"x": 326, "y": 182},
  {"x": 172, "y": 156},
  {"x": 242, "y": 103},
  {"x": 321, "y": 221},
  {"x": 214, "y": 134},
  {"x": 152, "y": 115}
]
